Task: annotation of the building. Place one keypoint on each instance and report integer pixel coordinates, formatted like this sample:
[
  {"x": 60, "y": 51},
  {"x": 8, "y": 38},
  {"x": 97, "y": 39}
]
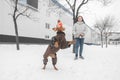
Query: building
[
  {"x": 37, "y": 29},
  {"x": 92, "y": 37},
  {"x": 114, "y": 38}
]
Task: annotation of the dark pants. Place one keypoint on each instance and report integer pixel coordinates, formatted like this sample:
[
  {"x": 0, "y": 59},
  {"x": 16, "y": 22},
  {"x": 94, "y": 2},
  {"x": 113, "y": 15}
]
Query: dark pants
[{"x": 79, "y": 44}]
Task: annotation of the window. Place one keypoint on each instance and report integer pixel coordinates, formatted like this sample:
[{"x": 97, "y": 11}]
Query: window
[
  {"x": 47, "y": 36},
  {"x": 50, "y": 4},
  {"x": 31, "y": 3},
  {"x": 47, "y": 25}
]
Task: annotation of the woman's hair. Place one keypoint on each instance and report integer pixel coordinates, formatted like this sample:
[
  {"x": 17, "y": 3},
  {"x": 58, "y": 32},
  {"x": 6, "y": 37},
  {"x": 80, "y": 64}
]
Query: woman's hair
[{"x": 82, "y": 19}]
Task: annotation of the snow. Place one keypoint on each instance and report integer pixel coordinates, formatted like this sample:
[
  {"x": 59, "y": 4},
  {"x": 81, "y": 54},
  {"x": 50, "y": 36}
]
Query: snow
[{"x": 26, "y": 64}]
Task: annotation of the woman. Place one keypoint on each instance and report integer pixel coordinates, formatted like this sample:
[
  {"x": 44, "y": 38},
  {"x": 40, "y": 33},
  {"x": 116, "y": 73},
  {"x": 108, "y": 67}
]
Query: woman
[{"x": 79, "y": 31}]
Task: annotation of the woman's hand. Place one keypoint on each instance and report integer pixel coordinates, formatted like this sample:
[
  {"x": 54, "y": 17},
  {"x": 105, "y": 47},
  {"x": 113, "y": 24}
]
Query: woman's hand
[{"x": 81, "y": 35}]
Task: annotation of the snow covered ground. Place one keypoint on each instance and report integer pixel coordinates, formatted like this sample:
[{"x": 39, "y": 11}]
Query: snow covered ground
[{"x": 26, "y": 64}]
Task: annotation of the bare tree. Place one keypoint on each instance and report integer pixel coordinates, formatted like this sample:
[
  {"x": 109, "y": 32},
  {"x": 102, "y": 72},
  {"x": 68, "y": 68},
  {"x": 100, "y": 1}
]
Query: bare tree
[
  {"x": 105, "y": 27},
  {"x": 76, "y": 8},
  {"x": 100, "y": 27},
  {"x": 105, "y": 2},
  {"x": 76, "y": 5},
  {"x": 17, "y": 10},
  {"x": 109, "y": 23},
  {"x": 75, "y": 11}
]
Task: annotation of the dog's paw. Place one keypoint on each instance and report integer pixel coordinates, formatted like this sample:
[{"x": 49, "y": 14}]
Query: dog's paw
[
  {"x": 55, "y": 68},
  {"x": 71, "y": 42},
  {"x": 43, "y": 68}
]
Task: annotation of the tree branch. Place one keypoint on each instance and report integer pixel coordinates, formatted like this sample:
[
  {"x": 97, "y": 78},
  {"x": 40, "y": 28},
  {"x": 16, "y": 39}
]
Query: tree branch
[
  {"x": 69, "y": 4},
  {"x": 80, "y": 5},
  {"x": 74, "y": 4},
  {"x": 15, "y": 9},
  {"x": 85, "y": 2},
  {"x": 21, "y": 13}
]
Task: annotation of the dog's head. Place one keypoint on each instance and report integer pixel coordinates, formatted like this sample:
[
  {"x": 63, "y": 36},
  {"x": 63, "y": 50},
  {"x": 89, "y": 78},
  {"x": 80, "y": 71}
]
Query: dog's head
[{"x": 59, "y": 29}]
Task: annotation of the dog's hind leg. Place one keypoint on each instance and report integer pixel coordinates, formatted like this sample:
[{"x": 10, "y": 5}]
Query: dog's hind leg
[
  {"x": 45, "y": 60},
  {"x": 44, "y": 67},
  {"x": 54, "y": 61},
  {"x": 55, "y": 67}
]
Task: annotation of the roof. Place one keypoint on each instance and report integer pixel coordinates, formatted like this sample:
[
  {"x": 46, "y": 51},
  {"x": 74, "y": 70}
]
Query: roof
[{"x": 61, "y": 6}]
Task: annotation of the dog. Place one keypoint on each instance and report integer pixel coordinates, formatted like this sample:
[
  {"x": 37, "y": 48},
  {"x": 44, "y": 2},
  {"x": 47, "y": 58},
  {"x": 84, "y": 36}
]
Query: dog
[{"x": 58, "y": 42}]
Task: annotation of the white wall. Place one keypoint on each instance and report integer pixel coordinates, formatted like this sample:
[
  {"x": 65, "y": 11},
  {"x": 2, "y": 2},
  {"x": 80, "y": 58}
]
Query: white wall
[
  {"x": 6, "y": 23},
  {"x": 31, "y": 28}
]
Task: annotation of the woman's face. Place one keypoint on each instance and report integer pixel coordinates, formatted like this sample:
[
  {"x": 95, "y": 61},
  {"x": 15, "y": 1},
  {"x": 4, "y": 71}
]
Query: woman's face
[{"x": 80, "y": 19}]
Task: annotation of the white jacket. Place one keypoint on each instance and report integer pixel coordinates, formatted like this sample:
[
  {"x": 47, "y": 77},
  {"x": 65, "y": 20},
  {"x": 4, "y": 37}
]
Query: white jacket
[{"x": 79, "y": 30}]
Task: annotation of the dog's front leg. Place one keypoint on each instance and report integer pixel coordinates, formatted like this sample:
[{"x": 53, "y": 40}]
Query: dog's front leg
[{"x": 71, "y": 42}]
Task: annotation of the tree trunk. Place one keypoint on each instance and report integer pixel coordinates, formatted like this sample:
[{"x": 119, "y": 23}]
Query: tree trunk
[
  {"x": 74, "y": 21},
  {"x": 101, "y": 40},
  {"x": 16, "y": 32},
  {"x": 106, "y": 41}
]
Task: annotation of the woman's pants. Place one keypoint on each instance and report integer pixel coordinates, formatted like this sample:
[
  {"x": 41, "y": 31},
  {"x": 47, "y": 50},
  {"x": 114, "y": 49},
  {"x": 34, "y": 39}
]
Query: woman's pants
[{"x": 79, "y": 46}]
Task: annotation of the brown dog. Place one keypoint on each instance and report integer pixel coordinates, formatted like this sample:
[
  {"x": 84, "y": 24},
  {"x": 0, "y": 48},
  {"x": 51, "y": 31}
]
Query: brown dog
[{"x": 60, "y": 43}]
